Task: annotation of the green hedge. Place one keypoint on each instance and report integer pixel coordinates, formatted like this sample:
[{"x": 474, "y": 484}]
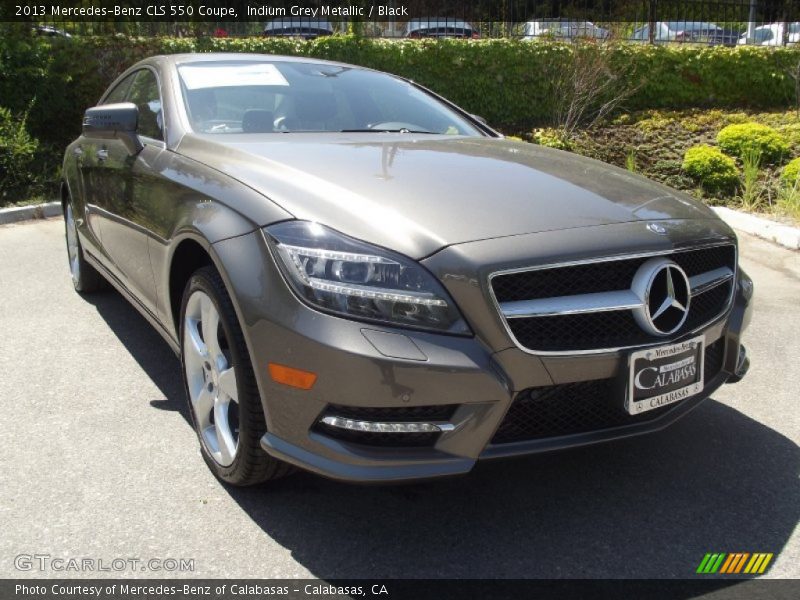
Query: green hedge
[
  {"x": 17, "y": 156},
  {"x": 506, "y": 81}
]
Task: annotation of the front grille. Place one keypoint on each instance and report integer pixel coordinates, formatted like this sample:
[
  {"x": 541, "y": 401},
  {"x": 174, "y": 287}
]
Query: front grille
[
  {"x": 581, "y": 407},
  {"x": 609, "y": 329},
  {"x": 440, "y": 413},
  {"x": 603, "y": 276},
  {"x": 704, "y": 307},
  {"x": 605, "y": 329}
]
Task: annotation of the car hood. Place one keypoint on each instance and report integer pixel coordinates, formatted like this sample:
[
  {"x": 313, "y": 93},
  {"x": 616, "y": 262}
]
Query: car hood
[{"x": 419, "y": 193}]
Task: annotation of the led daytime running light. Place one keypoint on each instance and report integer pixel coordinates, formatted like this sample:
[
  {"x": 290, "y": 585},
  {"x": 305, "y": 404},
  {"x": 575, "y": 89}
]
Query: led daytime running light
[
  {"x": 361, "y": 291},
  {"x": 336, "y": 255},
  {"x": 379, "y": 427}
]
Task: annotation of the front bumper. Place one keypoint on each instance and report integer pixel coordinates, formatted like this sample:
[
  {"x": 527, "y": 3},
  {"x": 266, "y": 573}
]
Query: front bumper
[{"x": 360, "y": 365}]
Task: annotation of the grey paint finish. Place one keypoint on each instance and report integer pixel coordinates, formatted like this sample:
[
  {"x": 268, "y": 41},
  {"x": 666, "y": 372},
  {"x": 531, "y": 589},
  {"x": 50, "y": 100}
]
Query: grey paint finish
[
  {"x": 466, "y": 207},
  {"x": 393, "y": 345},
  {"x": 417, "y": 193}
]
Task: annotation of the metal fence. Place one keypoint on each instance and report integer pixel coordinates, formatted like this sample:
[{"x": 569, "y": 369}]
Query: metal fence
[{"x": 713, "y": 22}]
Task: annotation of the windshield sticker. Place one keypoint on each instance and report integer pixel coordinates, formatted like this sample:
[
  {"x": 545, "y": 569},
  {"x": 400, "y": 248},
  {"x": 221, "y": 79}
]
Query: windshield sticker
[{"x": 201, "y": 77}]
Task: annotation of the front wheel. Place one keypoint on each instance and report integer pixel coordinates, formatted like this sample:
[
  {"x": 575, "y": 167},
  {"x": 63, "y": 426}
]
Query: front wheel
[
  {"x": 84, "y": 276},
  {"x": 220, "y": 385}
]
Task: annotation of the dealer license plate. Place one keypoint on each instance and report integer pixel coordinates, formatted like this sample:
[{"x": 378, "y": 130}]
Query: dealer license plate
[{"x": 664, "y": 375}]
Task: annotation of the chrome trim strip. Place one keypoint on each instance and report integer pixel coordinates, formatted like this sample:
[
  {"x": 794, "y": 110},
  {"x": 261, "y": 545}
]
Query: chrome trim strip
[
  {"x": 571, "y": 305},
  {"x": 610, "y": 258},
  {"x": 556, "y": 353},
  {"x": 709, "y": 280}
]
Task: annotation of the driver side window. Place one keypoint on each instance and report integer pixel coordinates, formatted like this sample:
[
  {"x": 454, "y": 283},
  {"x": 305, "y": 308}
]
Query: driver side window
[{"x": 144, "y": 93}]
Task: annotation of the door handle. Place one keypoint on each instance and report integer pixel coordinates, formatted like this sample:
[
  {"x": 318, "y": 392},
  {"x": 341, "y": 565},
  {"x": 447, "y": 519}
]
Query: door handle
[{"x": 102, "y": 154}]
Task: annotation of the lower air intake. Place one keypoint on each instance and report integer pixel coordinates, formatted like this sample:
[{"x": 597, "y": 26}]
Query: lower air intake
[{"x": 582, "y": 407}]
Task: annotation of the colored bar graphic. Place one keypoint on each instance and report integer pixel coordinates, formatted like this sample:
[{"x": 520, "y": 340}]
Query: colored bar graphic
[
  {"x": 733, "y": 563},
  {"x": 758, "y": 564},
  {"x": 711, "y": 563},
  {"x": 732, "y": 558}
]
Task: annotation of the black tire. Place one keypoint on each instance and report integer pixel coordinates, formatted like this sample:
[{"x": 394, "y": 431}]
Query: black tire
[
  {"x": 251, "y": 464},
  {"x": 85, "y": 277}
]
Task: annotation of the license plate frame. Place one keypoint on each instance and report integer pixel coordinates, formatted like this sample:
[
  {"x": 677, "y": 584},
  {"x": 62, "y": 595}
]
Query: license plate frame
[{"x": 669, "y": 368}]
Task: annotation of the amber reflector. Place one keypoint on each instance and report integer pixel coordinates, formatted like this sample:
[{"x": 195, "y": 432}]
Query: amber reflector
[{"x": 292, "y": 377}]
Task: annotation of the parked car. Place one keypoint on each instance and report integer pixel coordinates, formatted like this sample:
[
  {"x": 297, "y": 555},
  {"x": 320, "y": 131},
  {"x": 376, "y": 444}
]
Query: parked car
[
  {"x": 301, "y": 28},
  {"x": 772, "y": 35},
  {"x": 50, "y": 31},
  {"x": 365, "y": 281},
  {"x": 563, "y": 29},
  {"x": 435, "y": 27},
  {"x": 688, "y": 32}
]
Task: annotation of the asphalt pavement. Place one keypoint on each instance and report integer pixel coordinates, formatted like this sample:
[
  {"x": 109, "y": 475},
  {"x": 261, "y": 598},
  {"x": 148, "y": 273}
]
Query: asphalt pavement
[{"x": 101, "y": 463}]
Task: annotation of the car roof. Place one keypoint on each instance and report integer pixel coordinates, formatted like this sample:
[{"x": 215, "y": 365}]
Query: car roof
[
  {"x": 307, "y": 23},
  {"x": 437, "y": 21},
  {"x": 178, "y": 59},
  {"x": 560, "y": 21},
  {"x": 690, "y": 25}
]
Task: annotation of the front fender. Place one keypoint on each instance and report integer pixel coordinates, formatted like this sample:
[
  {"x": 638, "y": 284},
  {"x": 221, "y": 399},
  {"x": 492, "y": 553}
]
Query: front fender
[{"x": 199, "y": 204}]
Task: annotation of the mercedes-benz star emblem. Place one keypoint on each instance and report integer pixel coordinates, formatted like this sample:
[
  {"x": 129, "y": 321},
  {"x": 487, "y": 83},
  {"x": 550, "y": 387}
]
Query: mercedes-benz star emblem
[{"x": 664, "y": 290}]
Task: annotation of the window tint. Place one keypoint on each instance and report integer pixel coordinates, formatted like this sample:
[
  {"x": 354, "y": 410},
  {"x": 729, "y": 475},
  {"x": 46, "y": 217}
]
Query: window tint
[
  {"x": 145, "y": 95},
  {"x": 118, "y": 93}
]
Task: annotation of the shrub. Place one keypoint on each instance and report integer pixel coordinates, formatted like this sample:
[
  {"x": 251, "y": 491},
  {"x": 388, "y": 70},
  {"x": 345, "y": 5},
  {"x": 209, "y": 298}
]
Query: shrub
[
  {"x": 711, "y": 168},
  {"x": 791, "y": 172},
  {"x": 552, "y": 138},
  {"x": 17, "y": 154},
  {"x": 742, "y": 138}
]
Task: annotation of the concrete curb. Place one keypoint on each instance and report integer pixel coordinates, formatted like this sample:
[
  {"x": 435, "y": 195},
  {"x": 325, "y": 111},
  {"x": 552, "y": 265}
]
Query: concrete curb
[
  {"x": 783, "y": 235},
  {"x": 35, "y": 211}
]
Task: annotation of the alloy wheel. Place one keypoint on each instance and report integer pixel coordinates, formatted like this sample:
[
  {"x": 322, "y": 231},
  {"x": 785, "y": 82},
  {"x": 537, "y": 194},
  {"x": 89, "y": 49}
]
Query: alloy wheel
[
  {"x": 211, "y": 379},
  {"x": 73, "y": 249}
]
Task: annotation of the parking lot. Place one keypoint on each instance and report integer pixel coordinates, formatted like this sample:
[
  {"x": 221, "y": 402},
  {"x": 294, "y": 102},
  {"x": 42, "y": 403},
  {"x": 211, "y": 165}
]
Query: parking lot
[{"x": 101, "y": 462}]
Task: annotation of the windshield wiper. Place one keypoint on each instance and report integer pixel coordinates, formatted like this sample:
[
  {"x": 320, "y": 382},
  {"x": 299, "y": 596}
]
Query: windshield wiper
[{"x": 379, "y": 130}]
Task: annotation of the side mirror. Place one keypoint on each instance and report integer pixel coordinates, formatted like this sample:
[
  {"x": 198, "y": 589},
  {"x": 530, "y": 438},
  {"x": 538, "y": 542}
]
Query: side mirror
[{"x": 111, "y": 121}]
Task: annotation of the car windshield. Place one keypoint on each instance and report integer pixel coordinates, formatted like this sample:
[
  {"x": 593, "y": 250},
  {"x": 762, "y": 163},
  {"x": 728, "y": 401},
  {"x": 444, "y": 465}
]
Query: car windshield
[{"x": 286, "y": 97}]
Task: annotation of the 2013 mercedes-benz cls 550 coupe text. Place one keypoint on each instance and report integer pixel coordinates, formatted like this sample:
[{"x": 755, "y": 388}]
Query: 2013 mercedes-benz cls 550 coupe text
[{"x": 365, "y": 281}]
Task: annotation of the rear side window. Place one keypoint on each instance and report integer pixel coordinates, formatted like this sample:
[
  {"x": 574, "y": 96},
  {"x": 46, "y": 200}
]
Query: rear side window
[{"x": 144, "y": 93}]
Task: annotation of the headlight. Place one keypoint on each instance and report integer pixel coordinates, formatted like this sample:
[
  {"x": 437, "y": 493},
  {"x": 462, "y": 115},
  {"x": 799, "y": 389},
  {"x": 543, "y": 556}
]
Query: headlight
[{"x": 341, "y": 275}]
